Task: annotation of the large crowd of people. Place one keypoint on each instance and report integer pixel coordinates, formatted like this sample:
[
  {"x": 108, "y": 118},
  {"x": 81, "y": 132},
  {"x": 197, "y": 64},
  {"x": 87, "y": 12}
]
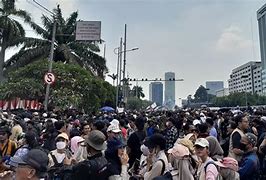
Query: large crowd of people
[{"x": 187, "y": 144}]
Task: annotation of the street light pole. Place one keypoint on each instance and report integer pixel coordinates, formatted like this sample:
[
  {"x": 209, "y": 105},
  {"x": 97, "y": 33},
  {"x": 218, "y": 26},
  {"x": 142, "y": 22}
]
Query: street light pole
[
  {"x": 119, "y": 52},
  {"x": 118, "y": 81}
]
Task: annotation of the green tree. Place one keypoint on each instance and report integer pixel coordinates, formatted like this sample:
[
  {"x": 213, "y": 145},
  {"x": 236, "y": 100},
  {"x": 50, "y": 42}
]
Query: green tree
[
  {"x": 134, "y": 103},
  {"x": 137, "y": 91},
  {"x": 74, "y": 87},
  {"x": 67, "y": 49},
  {"x": 200, "y": 95},
  {"x": 12, "y": 32},
  {"x": 239, "y": 99}
]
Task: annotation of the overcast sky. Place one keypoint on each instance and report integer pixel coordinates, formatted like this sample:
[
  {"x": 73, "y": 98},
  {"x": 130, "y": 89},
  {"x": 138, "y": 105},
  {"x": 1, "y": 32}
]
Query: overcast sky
[{"x": 199, "y": 40}]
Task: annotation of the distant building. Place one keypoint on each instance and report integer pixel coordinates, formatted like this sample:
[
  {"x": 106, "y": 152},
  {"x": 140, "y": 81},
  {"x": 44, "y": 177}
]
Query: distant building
[
  {"x": 213, "y": 86},
  {"x": 169, "y": 91},
  {"x": 261, "y": 16},
  {"x": 246, "y": 78},
  {"x": 156, "y": 92},
  {"x": 222, "y": 92}
]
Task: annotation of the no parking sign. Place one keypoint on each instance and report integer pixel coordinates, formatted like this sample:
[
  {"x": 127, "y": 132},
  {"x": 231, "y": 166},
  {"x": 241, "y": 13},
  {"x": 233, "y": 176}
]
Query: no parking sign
[{"x": 49, "y": 78}]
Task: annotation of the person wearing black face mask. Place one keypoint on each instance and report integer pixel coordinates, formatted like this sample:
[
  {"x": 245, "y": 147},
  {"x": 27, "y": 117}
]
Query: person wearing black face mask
[{"x": 249, "y": 166}]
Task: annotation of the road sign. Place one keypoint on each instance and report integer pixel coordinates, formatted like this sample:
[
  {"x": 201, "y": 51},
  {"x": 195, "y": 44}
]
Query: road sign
[
  {"x": 88, "y": 31},
  {"x": 49, "y": 78}
]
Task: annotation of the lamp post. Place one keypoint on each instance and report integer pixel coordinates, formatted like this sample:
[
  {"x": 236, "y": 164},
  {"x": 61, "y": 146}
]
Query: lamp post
[
  {"x": 244, "y": 77},
  {"x": 118, "y": 51}
]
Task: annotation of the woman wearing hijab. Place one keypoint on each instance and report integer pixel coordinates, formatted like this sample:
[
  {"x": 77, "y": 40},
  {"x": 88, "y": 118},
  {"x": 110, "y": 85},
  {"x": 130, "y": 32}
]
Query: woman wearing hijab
[{"x": 180, "y": 161}]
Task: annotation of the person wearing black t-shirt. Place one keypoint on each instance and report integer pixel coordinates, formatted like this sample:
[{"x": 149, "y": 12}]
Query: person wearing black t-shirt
[{"x": 135, "y": 141}]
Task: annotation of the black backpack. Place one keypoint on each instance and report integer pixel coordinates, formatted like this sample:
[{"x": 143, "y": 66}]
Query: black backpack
[
  {"x": 97, "y": 168},
  {"x": 56, "y": 171},
  {"x": 164, "y": 176}
]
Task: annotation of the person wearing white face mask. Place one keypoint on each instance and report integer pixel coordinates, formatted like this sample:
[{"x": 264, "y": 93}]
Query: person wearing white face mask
[{"x": 57, "y": 156}]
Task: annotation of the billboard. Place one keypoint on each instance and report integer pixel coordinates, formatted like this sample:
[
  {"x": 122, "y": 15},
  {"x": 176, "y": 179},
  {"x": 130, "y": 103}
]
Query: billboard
[{"x": 88, "y": 31}]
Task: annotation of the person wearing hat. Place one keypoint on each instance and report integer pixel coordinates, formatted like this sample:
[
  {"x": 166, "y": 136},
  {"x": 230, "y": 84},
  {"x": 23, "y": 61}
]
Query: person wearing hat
[
  {"x": 7, "y": 147},
  {"x": 207, "y": 168},
  {"x": 96, "y": 165},
  {"x": 32, "y": 166},
  {"x": 58, "y": 155},
  {"x": 181, "y": 162},
  {"x": 249, "y": 165}
]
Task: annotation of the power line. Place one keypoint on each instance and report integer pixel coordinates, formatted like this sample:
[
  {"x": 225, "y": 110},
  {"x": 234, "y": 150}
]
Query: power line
[{"x": 37, "y": 6}]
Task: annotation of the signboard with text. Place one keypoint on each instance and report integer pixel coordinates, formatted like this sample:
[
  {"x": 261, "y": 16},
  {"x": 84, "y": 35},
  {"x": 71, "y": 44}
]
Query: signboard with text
[{"x": 88, "y": 31}]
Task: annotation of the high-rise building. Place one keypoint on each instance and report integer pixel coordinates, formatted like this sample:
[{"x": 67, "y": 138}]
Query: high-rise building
[
  {"x": 156, "y": 92},
  {"x": 246, "y": 78},
  {"x": 169, "y": 91},
  {"x": 261, "y": 16},
  {"x": 213, "y": 86},
  {"x": 222, "y": 92}
]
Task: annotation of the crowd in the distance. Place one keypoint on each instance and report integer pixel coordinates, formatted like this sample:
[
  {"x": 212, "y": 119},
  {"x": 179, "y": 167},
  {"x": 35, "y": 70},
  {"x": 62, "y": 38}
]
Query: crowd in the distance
[{"x": 189, "y": 144}]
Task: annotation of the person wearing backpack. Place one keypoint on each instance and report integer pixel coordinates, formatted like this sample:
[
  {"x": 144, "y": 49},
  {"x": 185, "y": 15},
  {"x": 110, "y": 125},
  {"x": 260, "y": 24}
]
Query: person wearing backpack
[
  {"x": 228, "y": 168},
  {"x": 157, "y": 162},
  {"x": 207, "y": 169},
  {"x": 57, "y": 156},
  {"x": 96, "y": 166}
]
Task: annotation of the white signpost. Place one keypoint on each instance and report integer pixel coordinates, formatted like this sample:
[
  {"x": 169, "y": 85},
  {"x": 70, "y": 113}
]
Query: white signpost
[
  {"x": 49, "y": 78},
  {"x": 88, "y": 31}
]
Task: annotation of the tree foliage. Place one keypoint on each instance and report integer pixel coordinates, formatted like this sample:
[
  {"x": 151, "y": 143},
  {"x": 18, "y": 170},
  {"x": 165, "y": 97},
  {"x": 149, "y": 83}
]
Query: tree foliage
[
  {"x": 12, "y": 32},
  {"x": 134, "y": 103},
  {"x": 137, "y": 91},
  {"x": 200, "y": 95},
  {"x": 67, "y": 49},
  {"x": 239, "y": 99},
  {"x": 74, "y": 86}
]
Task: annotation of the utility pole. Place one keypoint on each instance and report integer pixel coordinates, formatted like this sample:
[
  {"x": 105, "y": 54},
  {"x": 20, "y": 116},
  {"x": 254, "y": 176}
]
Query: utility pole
[
  {"x": 51, "y": 58},
  {"x": 124, "y": 67}
]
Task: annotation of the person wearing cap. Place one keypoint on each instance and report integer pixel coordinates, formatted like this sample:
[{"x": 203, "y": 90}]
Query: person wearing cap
[
  {"x": 31, "y": 166},
  {"x": 206, "y": 170},
  {"x": 58, "y": 155},
  {"x": 7, "y": 147},
  {"x": 117, "y": 157},
  {"x": 234, "y": 142},
  {"x": 249, "y": 165},
  {"x": 113, "y": 131},
  {"x": 95, "y": 143},
  {"x": 157, "y": 162}
]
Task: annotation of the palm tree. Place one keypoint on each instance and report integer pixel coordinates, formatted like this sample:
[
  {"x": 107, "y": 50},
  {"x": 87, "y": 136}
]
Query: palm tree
[
  {"x": 66, "y": 48},
  {"x": 11, "y": 29},
  {"x": 113, "y": 76},
  {"x": 137, "y": 91}
]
